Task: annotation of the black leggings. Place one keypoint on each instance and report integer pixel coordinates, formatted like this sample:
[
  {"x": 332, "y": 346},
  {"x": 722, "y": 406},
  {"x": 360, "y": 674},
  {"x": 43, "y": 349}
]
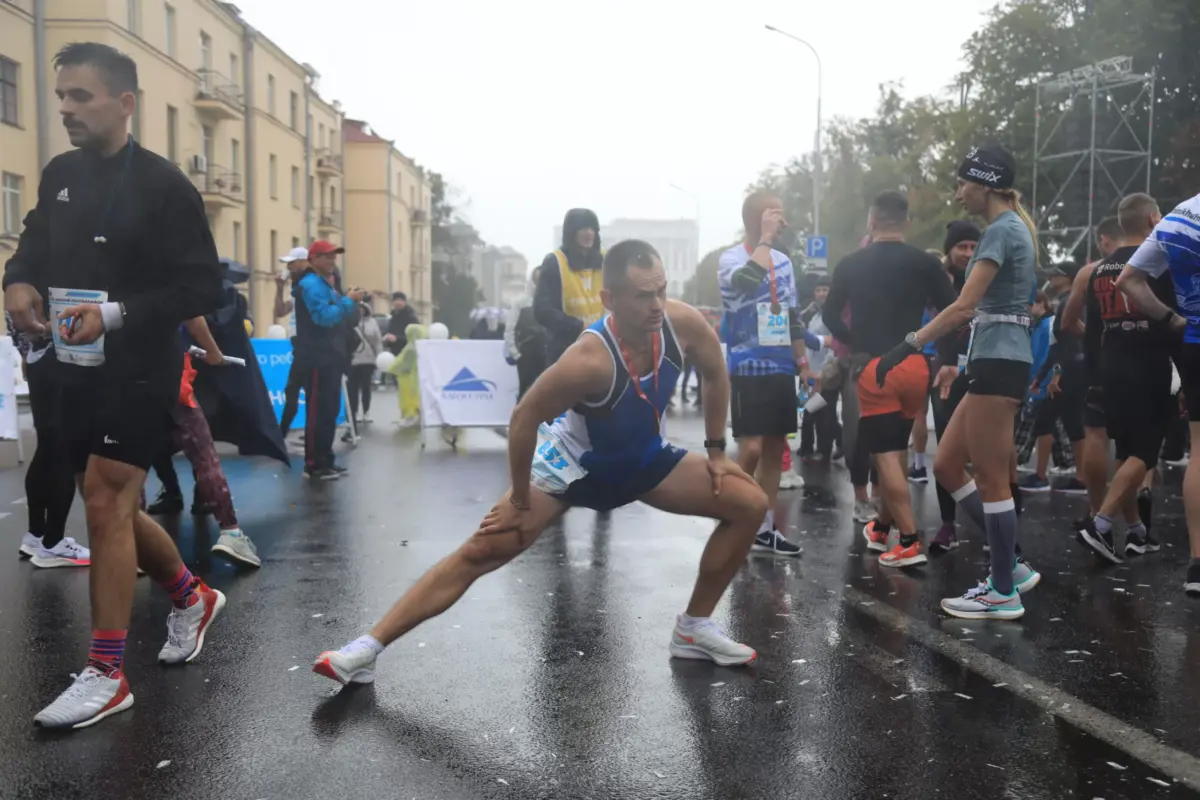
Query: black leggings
[
  {"x": 291, "y": 396},
  {"x": 49, "y": 480},
  {"x": 943, "y": 410},
  {"x": 358, "y": 384}
]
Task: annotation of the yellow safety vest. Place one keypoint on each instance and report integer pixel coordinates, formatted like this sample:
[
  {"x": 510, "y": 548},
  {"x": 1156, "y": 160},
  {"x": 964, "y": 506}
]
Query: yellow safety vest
[{"x": 580, "y": 290}]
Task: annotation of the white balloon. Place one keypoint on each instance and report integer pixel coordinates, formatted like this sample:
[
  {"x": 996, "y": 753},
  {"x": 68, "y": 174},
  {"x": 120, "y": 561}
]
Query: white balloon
[
  {"x": 384, "y": 361},
  {"x": 277, "y": 332},
  {"x": 438, "y": 330}
]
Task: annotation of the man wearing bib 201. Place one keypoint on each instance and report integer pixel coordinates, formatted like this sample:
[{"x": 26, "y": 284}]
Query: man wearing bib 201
[
  {"x": 1000, "y": 285},
  {"x": 114, "y": 257},
  {"x": 604, "y": 449}
]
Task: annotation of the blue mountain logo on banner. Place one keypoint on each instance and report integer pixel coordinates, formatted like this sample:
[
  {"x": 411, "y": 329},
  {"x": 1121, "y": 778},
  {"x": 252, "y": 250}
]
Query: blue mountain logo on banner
[{"x": 467, "y": 381}]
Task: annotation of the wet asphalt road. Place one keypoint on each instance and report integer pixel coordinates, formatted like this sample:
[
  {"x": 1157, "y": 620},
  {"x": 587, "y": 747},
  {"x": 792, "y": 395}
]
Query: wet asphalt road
[{"x": 551, "y": 679}]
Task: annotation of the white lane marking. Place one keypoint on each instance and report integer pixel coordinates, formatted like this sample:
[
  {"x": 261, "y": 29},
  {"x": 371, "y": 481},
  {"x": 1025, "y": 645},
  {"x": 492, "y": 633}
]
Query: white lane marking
[
  {"x": 4, "y": 514},
  {"x": 1183, "y": 767}
]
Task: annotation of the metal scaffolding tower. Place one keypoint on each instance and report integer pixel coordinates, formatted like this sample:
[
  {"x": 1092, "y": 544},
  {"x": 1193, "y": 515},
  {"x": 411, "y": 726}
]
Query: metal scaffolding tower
[{"x": 1093, "y": 110}]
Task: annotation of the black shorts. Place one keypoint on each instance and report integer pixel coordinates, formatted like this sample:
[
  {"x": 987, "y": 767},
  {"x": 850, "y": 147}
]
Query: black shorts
[
  {"x": 1140, "y": 409},
  {"x": 599, "y": 495},
  {"x": 763, "y": 405},
  {"x": 1189, "y": 375},
  {"x": 1094, "y": 413},
  {"x": 122, "y": 420},
  {"x": 1138, "y": 420},
  {"x": 998, "y": 377}
]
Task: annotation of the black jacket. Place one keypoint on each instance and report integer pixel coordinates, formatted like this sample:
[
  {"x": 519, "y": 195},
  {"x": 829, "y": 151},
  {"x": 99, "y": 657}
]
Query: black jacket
[
  {"x": 401, "y": 318},
  {"x": 562, "y": 329},
  {"x": 158, "y": 257}
]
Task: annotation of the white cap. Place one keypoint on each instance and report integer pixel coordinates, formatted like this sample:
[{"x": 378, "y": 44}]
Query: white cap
[{"x": 295, "y": 254}]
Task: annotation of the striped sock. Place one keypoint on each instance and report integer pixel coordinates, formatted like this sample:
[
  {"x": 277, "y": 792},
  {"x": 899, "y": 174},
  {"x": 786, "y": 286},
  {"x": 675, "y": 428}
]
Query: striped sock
[
  {"x": 182, "y": 588},
  {"x": 107, "y": 651}
]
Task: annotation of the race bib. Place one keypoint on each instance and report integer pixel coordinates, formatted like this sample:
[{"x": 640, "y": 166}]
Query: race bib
[
  {"x": 82, "y": 355},
  {"x": 773, "y": 329},
  {"x": 553, "y": 468}
]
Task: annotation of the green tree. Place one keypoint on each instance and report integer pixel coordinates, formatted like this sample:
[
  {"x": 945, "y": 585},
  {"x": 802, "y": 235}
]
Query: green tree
[
  {"x": 702, "y": 289},
  {"x": 454, "y": 240}
]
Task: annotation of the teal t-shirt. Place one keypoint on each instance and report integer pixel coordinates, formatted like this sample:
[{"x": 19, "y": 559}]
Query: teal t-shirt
[{"x": 1008, "y": 243}]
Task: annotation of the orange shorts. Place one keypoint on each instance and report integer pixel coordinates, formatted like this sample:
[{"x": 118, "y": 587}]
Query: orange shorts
[{"x": 903, "y": 392}]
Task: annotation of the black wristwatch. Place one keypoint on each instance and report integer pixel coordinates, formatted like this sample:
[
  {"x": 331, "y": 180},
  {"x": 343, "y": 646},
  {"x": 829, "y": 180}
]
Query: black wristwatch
[{"x": 715, "y": 444}]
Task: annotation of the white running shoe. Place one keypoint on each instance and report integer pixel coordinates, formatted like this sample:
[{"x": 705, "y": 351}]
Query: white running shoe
[
  {"x": 1025, "y": 577},
  {"x": 30, "y": 545},
  {"x": 186, "y": 627},
  {"x": 67, "y": 553},
  {"x": 92, "y": 697},
  {"x": 234, "y": 544},
  {"x": 354, "y": 663},
  {"x": 790, "y": 480},
  {"x": 864, "y": 511},
  {"x": 707, "y": 642},
  {"x": 984, "y": 602}
]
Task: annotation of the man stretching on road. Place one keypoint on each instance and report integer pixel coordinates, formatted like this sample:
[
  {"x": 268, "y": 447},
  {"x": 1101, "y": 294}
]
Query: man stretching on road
[
  {"x": 888, "y": 285},
  {"x": 604, "y": 450}
]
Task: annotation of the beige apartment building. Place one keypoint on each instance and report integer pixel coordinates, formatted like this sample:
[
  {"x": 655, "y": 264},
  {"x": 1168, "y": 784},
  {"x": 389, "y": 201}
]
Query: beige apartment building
[
  {"x": 387, "y": 218},
  {"x": 241, "y": 117}
]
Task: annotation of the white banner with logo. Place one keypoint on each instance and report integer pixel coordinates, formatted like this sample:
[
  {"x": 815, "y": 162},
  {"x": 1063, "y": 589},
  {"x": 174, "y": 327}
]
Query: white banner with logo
[
  {"x": 9, "y": 365},
  {"x": 465, "y": 383}
]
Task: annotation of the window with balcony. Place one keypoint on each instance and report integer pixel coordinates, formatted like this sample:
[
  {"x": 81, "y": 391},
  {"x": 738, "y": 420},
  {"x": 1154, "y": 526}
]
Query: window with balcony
[
  {"x": 295, "y": 241},
  {"x": 134, "y": 22},
  {"x": 293, "y": 109},
  {"x": 235, "y": 70},
  {"x": 321, "y": 136},
  {"x": 9, "y": 104},
  {"x": 332, "y": 199},
  {"x": 273, "y": 176},
  {"x": 173, "y": 134},
  {"x": 235, "y": 155},
  {"x": 271, "y": 95},
  {"x": 206, "y": 143},
  {"x": 237, "y": 241},
  {"x": 295, "y": 187},
  {"x": 275, "y": 245},
  {"x": 11, "y": 221},
  {"x": 169, "y": 28}
]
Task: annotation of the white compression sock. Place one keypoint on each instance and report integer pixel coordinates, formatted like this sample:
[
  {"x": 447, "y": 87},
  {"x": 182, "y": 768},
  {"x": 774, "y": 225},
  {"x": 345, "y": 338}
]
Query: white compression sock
[
  {"x": 919, "y": 460},
  {"x": 371, "y": 642}
]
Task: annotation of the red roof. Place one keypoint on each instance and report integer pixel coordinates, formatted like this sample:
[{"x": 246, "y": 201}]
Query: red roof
[{"x": 356, "y": 130}]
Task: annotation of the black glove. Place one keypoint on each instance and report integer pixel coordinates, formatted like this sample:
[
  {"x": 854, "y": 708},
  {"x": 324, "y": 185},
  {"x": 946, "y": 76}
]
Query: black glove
[
  {"x": 889, "y": 360},
  {"x": 748, "y": 278}
]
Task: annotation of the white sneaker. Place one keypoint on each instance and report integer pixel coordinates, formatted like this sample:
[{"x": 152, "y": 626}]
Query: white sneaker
[
  {"x": 236, "y": 545},
  {"x": 30, "y": 545},
  {"x": 92, "y": 697},
  {"x": 186, "y": 627},
  {"x": 354, "y": 663},
  {"x": 67, "y": 553},
  {"x": 984, "y": 602},
  {"x": 864, "y": 511},
  {"x": 790, "y": 480},
  {"x": 707, "y": 642}
]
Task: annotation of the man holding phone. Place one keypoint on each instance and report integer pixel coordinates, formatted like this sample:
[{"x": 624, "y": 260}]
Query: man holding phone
[{"x": 321, "y": 315}]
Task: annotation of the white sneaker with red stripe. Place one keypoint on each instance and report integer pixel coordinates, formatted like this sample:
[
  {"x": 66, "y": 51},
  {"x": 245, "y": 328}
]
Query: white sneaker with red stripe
[
  {"x": 67, "y": 553},
  {"x": 705, "y": 641},
  {"x": 30, "y": 544},
  {"x": 92, "y": 697},
  {"x": 186, "y": 627},
  {"x": 354, "y": 663}
]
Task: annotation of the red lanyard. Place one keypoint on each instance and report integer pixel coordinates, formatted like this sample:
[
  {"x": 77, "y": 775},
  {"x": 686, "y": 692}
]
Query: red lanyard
[
  {"x": 634, "y": 377},
  {"x": 770, "y": 280}
]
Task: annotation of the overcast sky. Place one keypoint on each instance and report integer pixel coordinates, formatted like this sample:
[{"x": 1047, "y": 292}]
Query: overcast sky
[{"x": 531, "y": 107}]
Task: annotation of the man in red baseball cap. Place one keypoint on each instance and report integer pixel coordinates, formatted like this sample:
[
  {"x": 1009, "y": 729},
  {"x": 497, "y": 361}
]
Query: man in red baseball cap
[{"x": 321, "y": 311}]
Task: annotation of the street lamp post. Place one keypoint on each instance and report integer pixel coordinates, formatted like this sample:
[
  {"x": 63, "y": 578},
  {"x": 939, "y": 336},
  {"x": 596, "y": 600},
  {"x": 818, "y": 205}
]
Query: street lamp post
[{"x": 818, "y": 167}]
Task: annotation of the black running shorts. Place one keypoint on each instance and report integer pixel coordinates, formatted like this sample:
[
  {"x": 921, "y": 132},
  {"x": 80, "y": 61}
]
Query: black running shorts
[
  {"x": 763, "y": 405},
  {"x": 999, "y": 377},
  {"x": 122, "y": 420}
]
